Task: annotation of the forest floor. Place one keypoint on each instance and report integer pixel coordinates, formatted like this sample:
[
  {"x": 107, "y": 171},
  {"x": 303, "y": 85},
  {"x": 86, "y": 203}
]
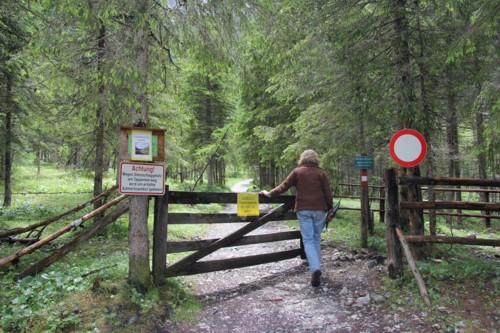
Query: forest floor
[{"x": 278, "y": 297}]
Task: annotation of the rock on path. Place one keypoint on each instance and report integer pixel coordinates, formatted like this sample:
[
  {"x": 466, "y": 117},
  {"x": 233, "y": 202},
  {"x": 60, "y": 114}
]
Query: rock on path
[{"x": 277, "y": 297}]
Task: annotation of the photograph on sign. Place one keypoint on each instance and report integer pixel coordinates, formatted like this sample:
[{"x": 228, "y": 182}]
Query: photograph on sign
[
  {"x": 408, "y": 148},
  {"x": 142, "y": 145}
]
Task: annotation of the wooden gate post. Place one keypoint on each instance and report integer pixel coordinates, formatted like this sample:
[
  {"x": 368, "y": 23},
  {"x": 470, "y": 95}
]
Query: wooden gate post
[
  {"x": 365, "y": 208},
  {"x": 160, "y": 238},
  {"x": 394, "y": 251}
]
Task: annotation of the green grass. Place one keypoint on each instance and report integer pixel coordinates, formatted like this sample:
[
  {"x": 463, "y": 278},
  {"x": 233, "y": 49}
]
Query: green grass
[{"x": 88, "y": 288}]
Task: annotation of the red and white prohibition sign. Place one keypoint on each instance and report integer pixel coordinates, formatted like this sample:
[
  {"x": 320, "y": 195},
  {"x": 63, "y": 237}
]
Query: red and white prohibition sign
[{"x": 407, "y": 148}]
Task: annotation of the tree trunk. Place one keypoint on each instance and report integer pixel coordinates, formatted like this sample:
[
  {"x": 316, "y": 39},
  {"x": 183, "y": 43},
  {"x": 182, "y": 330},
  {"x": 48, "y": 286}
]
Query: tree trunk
[
  {"x": 7, "y": 201},
  {"x": 427, "y": 110},
  {"x": 99, "y": 130},
  {"x": 139, "y": 269},
  {"x": 452, "y": 134}
]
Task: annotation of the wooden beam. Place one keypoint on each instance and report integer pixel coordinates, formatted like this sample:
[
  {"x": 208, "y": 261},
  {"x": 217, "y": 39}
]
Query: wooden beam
[
  {"x": 60, "y": 232},
  {"x": 193, "y": 218},
  {"x": 448, "y": 181},
  {"x": 184, "y": 197},
  {"x": 17, "y": 231},
  {"x": 194, "y": 245},
  {"x": 70, "y": 246},
  {"x": 182, "y": 264},
  {"x": 452, "y": 240},
  {"x": 231, "y": 263},
  {"x": 413, "y": 267},
  {"x": 485, "y": 206},
  {"x": 394, "y": 251}
]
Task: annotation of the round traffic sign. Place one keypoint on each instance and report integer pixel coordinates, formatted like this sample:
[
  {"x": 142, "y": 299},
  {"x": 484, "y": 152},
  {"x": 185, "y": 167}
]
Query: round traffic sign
[{"x": 407, "y": 147}]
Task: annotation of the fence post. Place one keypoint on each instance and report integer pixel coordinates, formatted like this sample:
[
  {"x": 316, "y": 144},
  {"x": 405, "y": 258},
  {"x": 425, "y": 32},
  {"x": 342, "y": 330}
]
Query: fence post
[
  {"x": 394, "y": 250},
  {"x": 365, "y": 208},
  {"x": 160, "y": 238},
  {"x": 382, "y": 204}
]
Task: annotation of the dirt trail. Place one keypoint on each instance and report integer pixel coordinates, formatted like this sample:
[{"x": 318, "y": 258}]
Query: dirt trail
[{"x": 277, "y": 297}]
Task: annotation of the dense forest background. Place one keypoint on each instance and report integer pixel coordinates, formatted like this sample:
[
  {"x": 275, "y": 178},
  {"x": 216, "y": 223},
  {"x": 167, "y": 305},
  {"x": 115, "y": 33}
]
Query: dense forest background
[{"x": 245, "y": 86}]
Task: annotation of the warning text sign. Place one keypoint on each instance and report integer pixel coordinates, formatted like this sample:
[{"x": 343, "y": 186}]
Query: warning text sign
[
  {"x": 248, "y": 204},
  {"x": 142, "y": 178}
]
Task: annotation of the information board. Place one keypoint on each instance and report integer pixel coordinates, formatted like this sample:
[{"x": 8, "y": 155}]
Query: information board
[
  {"x": 363, "y": 162},
  {"x": 142, "y": 178}
]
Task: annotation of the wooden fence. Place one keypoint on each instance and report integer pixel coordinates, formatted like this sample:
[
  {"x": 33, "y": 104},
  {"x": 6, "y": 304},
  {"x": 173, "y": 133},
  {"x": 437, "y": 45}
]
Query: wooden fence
[
  {"x": 191, "y": 263},
  {"x": 393, "y": 225}
]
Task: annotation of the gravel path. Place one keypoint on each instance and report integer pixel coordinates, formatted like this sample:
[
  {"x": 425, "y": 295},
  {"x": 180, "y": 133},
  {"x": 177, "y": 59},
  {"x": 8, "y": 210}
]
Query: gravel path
[{"x": 277, "y": 297}]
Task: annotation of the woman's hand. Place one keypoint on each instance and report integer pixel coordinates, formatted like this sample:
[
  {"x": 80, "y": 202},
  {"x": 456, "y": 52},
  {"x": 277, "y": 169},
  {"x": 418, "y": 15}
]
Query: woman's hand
[{"x": 266, "y": 193}]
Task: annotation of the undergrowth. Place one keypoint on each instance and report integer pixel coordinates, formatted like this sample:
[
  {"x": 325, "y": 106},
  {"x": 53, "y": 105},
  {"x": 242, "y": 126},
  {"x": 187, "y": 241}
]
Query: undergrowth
[{"x": 87, "y": 290}]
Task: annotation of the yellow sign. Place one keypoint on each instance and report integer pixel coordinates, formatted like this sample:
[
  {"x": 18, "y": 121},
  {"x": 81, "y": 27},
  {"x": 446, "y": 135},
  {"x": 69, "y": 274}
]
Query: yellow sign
[{"x": 248, "y": 204}]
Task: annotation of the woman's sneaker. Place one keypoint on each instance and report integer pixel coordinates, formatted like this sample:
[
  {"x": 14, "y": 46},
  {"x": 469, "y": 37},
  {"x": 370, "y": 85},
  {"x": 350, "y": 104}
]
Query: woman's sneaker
[{"x": 315, "y": 278}]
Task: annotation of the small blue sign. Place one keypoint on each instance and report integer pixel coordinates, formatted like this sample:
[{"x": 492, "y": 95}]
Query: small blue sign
[{"x": 363, "y": 162}]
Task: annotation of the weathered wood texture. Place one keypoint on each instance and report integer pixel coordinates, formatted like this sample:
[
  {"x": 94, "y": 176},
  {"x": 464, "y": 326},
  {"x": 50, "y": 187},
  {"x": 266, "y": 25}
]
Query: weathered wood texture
[
  {"x": 60, "y": 232},
  {"x": 186, "y": 264},
  {"x": 231, "y": 263},
  {"x": 73, "y": 244},
  {"x": 484, "y": 206},
  {"x": 448, "y": 181},
  {"x": 17, "y": 231},
  {"x": 394, "y": 251},
  {"x": 182, "y": 197},
  {"x": 160, "y": 233},
  {"x": 192, "y": 218},
  {"x": 413, "y": 267},
  {"x": 452, "y": 240},
  {"x": 195, "y": 245}
]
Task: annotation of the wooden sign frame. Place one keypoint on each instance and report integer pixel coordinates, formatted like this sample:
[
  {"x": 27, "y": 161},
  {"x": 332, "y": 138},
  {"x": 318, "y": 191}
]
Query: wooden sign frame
[{"x": 126, "y": 132}]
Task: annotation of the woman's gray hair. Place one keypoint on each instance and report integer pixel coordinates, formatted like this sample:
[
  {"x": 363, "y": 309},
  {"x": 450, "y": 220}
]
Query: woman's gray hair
[{"x": 309, "y": 157}]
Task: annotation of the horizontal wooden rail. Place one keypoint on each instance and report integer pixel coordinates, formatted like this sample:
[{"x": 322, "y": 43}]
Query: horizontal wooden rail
[
  {"x": 452, "y": 240},
  {"x": 192, "y": 218},
  {"x": 467, "y": 215},
  {"x": 194, "y": 245},
  {"x": 231, "y": 263},
  {"x": 472, "y": 190},
  {"x": 193, "y": 198},
  {"x": 448, "y": 181},
  {"x": 358, "y": 184},
  {"x": 484, "y": 206}
]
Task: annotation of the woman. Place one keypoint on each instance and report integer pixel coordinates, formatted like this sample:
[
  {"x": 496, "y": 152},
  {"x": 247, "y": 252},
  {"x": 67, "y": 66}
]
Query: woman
[{"x": 312, "y": 200}]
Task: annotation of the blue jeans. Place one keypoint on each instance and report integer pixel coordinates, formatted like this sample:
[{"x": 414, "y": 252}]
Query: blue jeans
[{"x": 311, "y": 224}]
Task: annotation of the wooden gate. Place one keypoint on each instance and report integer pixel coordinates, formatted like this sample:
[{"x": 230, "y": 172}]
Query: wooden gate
[{"x": 191, "y": 264}]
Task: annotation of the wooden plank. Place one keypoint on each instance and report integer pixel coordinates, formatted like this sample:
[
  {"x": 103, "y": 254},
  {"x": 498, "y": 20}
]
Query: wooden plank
[
  {"x": 17, "y": 231},
  {"x": 413, "y": 267},
  {"x": 60, "y": 232},
  {"x": 184, "y": 197},
  {"x": 71, "y": 245},
  {"x": 194, "y": 245},
  {"x": 452, "y": 240},
  {"x": 448, "y": 181},
  {"x": 182, "y": 264},
  {"x": 160, "y": 232},
  {"x": 472, "y": 190},
  {"x": 394, "y": 251},
  {"x": 231, "y": 263},
  {"x": 465, "y": 205},
  {"x": 467, "y": 215},
  {"x": 193, "y": 218}
]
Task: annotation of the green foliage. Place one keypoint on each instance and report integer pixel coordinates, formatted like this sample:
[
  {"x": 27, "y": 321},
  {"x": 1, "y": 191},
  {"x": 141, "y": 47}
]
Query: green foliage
[{"x": 33, "y": 296}]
